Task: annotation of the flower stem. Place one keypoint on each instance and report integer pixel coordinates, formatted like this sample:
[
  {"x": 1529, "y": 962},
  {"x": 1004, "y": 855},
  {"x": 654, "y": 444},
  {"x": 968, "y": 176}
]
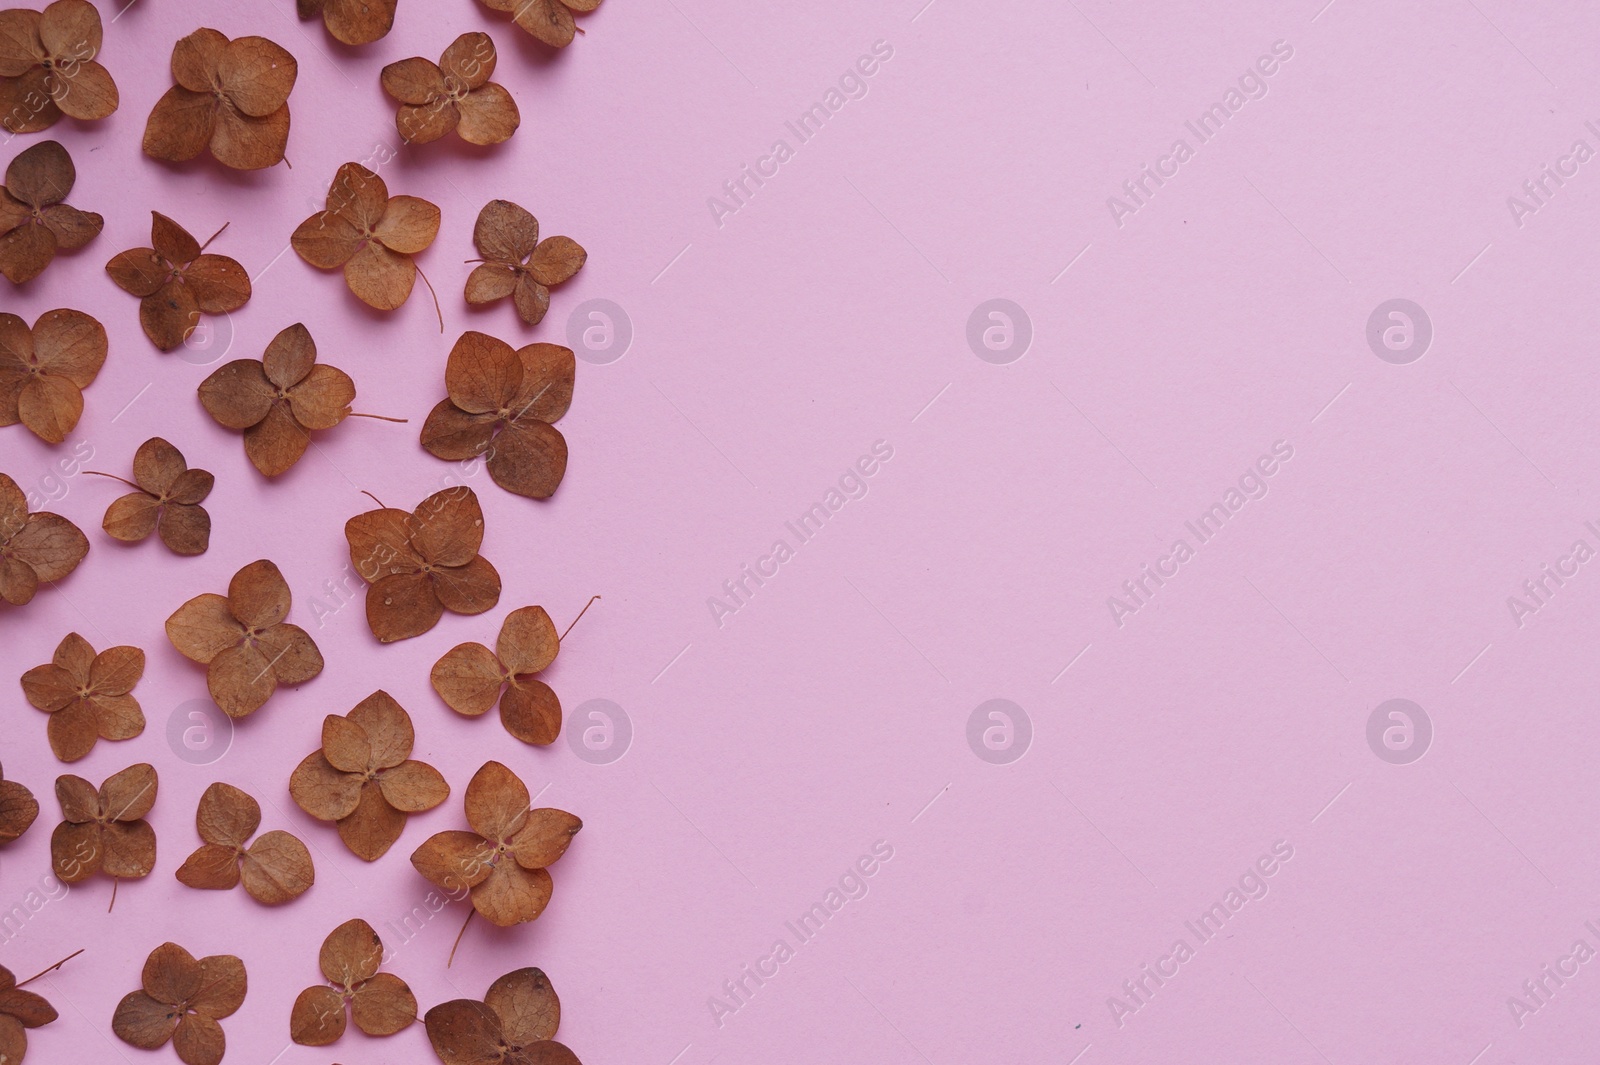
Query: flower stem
[
  {"x": 470, "y": 911},
  {"x": 579, "y": 618},
  {"x": 52, "y": 968},
  {"x": 379, "y": 417},
  {"x": 114, "y": 477}
]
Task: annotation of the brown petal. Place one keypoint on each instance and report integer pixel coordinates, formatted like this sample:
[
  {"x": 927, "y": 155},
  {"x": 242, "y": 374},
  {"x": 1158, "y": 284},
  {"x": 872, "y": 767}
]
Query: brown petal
[
  {"x": 388, "y": 728},
  {"x": 358, "y": 22},
  {"x": 238, "y": 395},
  {"x": 380, "y": 544},
  {"x": 531, "y": 712},
  {"x": 489, "y": 282},
  {"x": 20, "y": 46},
  {"x": 75, "y": 851},
  {"x": 468, "y": 679},
  {"x": 512, "y": 894},
  {"x": 409, "y": 225},
  {"x": 258, "y": 595},
  {"x": 50, "y": 407},
  {"x": 556, "y": 260},
  {"x": 496, "y": 802},
  {"x": 527, "y": 1006},
  {"x": 185, "y": 528},
  {"x": 528, "y": 642},
  {"x": 130, "y": 850},
  {"x": 318, "y": 1017},
  {"x": 383, "y": 1005},
  {"x": 531, "y": 299},
  {"x": 290, "y": 651},
  {"x": 41, "y": 175},
  {"x": 454, "y": 860},
  {"x": 469, "y": 60},
  {"x": 322, "y": 791},
  {"x": 143, "y": 1022},
  {"x": 529, "y": 458},
  {"x": 212, "y": 868},
  {"x": 180, "y": 125},
  {"x": 50, "y": 545},
  {"x": 18, "y": 810},
  {"x": 31, "y": 1010},
  {"x": 358, "y": 195},
  {"x": 351, "y": 953},
  {"x": 156, "y": 464},
  {"x": 549, "y": 373},
  {"x": 345, "y": 744},
  {"x": 169, "y": 316},
  {"x": 130, "y": 794},
  {"x": 372, "y": 828},
  {"x": 118, "y": 716},
  {"x": 323, "y": 399},
  {"x": 464, "y": 1032},
  {"x": 547, "y": 20},
  {"x": 172, "y": 242},
  {"x": 277, "y": 442},
  {"x": 73, "y": 731},
  {"x": 220, "y": 284},
  {"x": 25, "y": 103},
  {"x": 505, "y": 232},
  {"x": 452, "y": 434},
  {"x": 277, "y": 868},
  {"x": 245, "y": 143},
  {"x": 411, "y": 81},
  {"x": 70, "y": 28},
  {"x": 80, "y": 801},
  {"x": 402, "y": 605},
  {"x": 488, "y": 115},
  {"x": 199, "y": 1040},
  {"x": 412, "y": 787},
  {"x": 549, "y": 1052},
  {"x": 75, "y": 655},
  {"x": 116, "y": 670},
  {"x": 482, "y": 374},
  {"x": 544, "y": 839},
  {"x": 469, "y": 589},
  {"x": 190, "y": 487},
  {"x": 447, "y": 527},
  {"x": 256, "y": 75},
  {"x": 290, "y": 356},
  {"x": 203, "y": 628},
  {"x": 223, "y": 985},
  {"x": 240, "y": 681},
  {"x": 25, "y": 252},
  {"x": 379, "y": 277},
  {"x": 195, "y": 59},
  {"x": 139, "y": 272},
  {"x": 49, "y": 687},
  {"x": 227, "y": 816},
  {"x": 85, "y": 92},
  {"x": 426, "y": 123},
  {"x": 325, "y": 240},
  {"x": 71, "y": 227}
]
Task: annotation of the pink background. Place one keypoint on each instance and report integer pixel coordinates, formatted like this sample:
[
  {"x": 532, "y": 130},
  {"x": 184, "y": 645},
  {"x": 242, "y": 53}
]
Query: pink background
[{"x": 831, "y": 711}]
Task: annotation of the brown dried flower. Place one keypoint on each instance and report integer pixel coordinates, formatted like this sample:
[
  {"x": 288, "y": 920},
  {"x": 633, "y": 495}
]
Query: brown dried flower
[
  {"x": 274, "y": 869},
  {"x": 176, "y": 282},
  {"x": 18, "y": 809},
  {"x": 43, "y": 372},
  {"x": 380, "y": 1003},
  {"x": 517, "y": 263},
  {"x": 167, "y": 501},
  {"x": 470, "y": 677},
  {"x": 421, "y": 564},
  {"x": 33, "y": 547},
  {"x": 105, "y": 831},
  {"x": 501, "y": 404},
  {"x": 371, "y": 235},
  {"x": 230, "y": 96},
  {"x": 34, "y": 222},
  {"x": 452, "y": 94},
  {"x": 47, "y": 67},
  {"x": 352, "y": 21},
  {"x": 20, "y": 1010},
  {"x": 243, "y": 641},
  {"x": 549, "y": 20},
  {"x": 364, "y": 778},
  {"x": 182, "y": 1000},
  {"x": 503, "y": 859},
  {"x": 515, "y": 1024},
  {"x": 280, "y": 400},
  {"x": 87, "y": 695}
]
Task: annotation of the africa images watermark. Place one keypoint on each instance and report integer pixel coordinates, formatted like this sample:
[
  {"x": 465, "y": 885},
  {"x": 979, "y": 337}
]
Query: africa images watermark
[
  {"x": 1538, "y": 591},
  {"x": 737, "y": 192},
  {"x": 1252, "y": 484},
  {"x": 851, "y": 886},
  {"x": 1539, "y": 991},
  {"x": 737, "y": 591},
  {"x": 1537, "y": 191},
  {"x": 1138, "y": 191}
]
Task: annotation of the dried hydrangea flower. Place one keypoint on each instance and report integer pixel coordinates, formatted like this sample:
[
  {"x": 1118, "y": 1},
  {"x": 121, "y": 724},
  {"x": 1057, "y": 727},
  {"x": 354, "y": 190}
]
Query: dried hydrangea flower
[
  {"x": 274, "y": 869},
  {"x": 515, "y": 1024},
  {"x": 231, "y": 97},
  {"x": 371, "y": 235},
  {"x": 177, "y": 282},
  {"x": 34, "y": 548},
  {"x": 48, "y": 67},
  {"x": 166, "y": 501},
  {"x": 549, "y": 20},
  {"x": 87, "y": 695},
  {"x": 351, "y": 21},
  {"x": 380, "y": 1003},
  {"x": 43, "y": 371},
  {"x": 452, "y": 95},
  {"x": 181, "y": 1000},
  {"x": 517, "y": 263},
  {"x": 34, "y": 222}
]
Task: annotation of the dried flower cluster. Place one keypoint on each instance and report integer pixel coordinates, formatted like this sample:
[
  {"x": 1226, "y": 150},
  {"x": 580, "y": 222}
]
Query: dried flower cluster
[
  {"x": 87, "y": 695},
  {"x": 514, "y": 1024},
  {"x": 103, "y": 830},
  {"x": 470, "y": 678},
  {"x": 452, "y": 95},
  {"x": 380, "y": 1003},
  {"x": 48, "y": 67},
  {"x": 167, "y": 501},
  {"x": 35, "y": 223},
  {"x": 18, "y": 810},
  {"x": 231, "y": 97},
  {"x": 43, "y": 371},
  {"x": 180, "y": 1000},
  {"x": 177, "y": 282},
  {"x": 351, "y": 21},
  {"x": 517, "y": 263},
  {"x": 274, "y": 869},
  {"x": 549, "y": 20},
  {"x": 370, "y": 235},
  {"x": 34, "y": 548}
]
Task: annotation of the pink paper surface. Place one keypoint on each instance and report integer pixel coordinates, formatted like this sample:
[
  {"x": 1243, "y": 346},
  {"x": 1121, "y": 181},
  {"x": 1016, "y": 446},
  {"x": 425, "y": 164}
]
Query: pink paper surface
[{"x": 1042, "y": 863}]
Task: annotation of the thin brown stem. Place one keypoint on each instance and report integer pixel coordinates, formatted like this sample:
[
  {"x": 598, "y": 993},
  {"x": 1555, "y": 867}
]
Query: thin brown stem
[
  {"x": 579, "y": 618},
  {"x": 114, "y": 477},
  {"x": 52, "y": 968},
  {"x": 374, "y": 498},
  {"x": 115, "y": 881},
  {"x": 379, "y": 417},
  {"x": 214, "y": 236},
  {"x": 457, "y": 943},
  {"x": 435, "y": 295}
]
